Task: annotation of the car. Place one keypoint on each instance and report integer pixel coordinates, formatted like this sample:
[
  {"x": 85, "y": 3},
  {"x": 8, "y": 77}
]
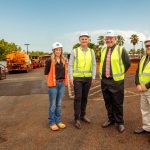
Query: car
[{"x": 3, "y": 71}]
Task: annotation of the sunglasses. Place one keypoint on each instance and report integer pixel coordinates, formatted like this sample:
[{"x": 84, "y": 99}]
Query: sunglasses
[{"x": 147, "y": 46}]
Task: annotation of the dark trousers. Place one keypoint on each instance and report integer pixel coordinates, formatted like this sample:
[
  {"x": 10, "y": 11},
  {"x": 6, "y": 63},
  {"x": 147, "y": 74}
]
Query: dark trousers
[
  {"x": 113, "y": 93},
  {"x": 81, "y": 90}
]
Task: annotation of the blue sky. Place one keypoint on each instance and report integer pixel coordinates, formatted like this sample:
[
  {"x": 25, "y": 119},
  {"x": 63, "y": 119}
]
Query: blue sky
[{"x": 42, "y": 22}]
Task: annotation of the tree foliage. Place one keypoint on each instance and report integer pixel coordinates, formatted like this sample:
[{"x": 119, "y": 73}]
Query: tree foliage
[
  {"x": 7, "y": 47},
  {"x": 134, "y": 40},
  {"x": 120, "y": 40}
]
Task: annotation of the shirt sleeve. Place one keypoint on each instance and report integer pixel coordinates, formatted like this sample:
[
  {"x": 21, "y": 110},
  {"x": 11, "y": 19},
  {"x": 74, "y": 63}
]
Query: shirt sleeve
[
  {"x": 93, "y": 66},
  {"x": 70, "y": 66},
  {"x": 47, "y": 67},
  {"x": 125, "y": 59},
  {"x": 137, "y": 82}
]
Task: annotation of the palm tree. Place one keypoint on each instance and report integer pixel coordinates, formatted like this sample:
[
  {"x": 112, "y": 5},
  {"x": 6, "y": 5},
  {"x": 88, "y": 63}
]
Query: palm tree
[
  {"x": 132, "y": 51},
  {"x": 101, "y": 41},
  {"x": 120, "y": 40},
  {"x": 134, "y": 40}
]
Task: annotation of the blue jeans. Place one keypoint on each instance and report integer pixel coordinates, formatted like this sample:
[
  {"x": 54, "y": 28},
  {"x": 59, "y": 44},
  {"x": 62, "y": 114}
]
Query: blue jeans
[{"x": 55, "y": 98}]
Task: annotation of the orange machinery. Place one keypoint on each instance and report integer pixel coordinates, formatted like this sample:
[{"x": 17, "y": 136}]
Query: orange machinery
[{"x": 18, "y": 61}]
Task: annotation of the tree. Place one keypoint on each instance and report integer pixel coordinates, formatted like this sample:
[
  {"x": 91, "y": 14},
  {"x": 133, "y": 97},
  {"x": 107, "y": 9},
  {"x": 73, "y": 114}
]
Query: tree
[
  {"x": 134, "y": 40},
  {"x": 37, "y": 53},
  {"x": 91, "y": 45},
  {"x": 6, "y": 47},
  {"x": 76, "y": 45},
  {"x": 120, "y": 40},
  {"x": 101, "y": 41},
  {"x": 132, "y": 51}
]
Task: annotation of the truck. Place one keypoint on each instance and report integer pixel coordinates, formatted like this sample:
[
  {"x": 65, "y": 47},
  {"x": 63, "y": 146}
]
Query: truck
[{"x": 18, "y": 61}]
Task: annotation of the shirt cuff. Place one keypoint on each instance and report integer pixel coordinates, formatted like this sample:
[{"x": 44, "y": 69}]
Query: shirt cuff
[
  {"x": 93, "y": 77},
  {"x": 70, "y": 77}
]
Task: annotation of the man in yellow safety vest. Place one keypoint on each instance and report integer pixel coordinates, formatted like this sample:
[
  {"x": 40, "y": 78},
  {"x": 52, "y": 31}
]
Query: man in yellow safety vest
[
  {"x": 82, "y": 72},
  {"x": 114, "y": 62},
  {"x": 142, "y": 81}
]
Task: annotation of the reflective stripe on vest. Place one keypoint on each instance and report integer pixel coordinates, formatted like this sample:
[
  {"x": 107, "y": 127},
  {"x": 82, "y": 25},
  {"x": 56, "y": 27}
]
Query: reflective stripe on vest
[
  {"x": 83, "y": 66},
  {"x": 116, "y": 63},
  {"x": 144, "y": 76}
]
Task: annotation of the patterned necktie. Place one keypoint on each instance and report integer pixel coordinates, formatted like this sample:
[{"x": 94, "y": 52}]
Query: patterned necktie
[{"x": 107, "y": 73}]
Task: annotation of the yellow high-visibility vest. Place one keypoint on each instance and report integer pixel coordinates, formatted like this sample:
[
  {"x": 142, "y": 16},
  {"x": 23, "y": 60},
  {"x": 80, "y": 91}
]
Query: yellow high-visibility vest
[
  {"x": 144, "y": 76},
  {"x": 117, "y": 66},
  {"x": 83, "y": 62}
]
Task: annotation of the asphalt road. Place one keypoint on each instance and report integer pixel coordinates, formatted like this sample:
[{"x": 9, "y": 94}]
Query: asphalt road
[{"x": 24, "y": 113}]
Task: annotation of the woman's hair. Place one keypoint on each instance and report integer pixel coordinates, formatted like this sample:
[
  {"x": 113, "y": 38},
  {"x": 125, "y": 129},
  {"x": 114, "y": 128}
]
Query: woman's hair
[{"x": 62, "y": 57}]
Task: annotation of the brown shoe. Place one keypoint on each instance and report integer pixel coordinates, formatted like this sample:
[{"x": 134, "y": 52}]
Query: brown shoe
[
  {"x": 107, "y": 124},
  {"x": 140, "y": 131},
  {"x": 77, "y": 124},
  {"x": 85, "y": 119}
]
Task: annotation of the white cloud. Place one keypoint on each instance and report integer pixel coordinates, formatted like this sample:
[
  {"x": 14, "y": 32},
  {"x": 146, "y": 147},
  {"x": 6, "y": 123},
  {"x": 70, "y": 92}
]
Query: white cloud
[{"x": 70, "y": 39}]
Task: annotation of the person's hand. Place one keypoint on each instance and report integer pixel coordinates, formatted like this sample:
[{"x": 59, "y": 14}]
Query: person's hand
[
  {"x": 143, "y": 88},
  {"x": 71, "y": 82},
  {"x": 139, "y": 88}
]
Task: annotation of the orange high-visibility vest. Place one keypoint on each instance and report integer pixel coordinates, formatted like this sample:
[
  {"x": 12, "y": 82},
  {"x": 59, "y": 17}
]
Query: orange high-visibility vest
[{"x": 51, "y": 80}]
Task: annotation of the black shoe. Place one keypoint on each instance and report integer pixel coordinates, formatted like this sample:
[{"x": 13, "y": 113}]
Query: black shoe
[
  {"x": 77, "y": 124},
  {"x": 139, "y": 131},
  {"x": 121, "y": 128},
  {"x": 107, "y": 124},
  {"x": 85, "y": 119}
]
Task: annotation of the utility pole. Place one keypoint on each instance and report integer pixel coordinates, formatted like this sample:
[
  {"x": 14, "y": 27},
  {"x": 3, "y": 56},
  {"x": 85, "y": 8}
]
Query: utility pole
[
  {"x": 141, "y": 49},
  {"x": 27, "y": 47}
]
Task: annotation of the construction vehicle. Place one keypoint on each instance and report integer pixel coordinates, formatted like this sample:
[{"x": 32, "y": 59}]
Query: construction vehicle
[
  {"x": 18, "y": 61},
  {"x": 36, "y": 62}
]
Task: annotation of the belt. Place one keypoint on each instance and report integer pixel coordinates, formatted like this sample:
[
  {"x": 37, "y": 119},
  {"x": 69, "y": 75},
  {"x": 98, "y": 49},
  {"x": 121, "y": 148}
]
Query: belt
[{"x": 61, "y": 80}]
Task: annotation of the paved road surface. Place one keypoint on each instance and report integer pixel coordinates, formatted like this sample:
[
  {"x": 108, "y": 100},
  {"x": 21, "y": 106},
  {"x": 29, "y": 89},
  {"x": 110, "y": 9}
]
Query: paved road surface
[{"x": 24, "y": 112}]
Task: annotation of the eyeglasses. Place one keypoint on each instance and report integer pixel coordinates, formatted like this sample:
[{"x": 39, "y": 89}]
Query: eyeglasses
[{"x": 147, "y": 46}]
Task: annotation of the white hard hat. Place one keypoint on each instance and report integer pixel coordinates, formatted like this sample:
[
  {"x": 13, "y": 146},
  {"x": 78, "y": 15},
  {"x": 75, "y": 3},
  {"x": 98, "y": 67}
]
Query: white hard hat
[
  {"x": 110, "y": 33},
  {"x": 147, "y": 40},
  {"x": 57, "y": 45},
  {"x": 84, "y": 34}
]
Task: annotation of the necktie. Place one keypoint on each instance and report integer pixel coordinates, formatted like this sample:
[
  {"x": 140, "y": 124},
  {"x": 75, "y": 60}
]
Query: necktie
[{"x": 107, "y": 73}]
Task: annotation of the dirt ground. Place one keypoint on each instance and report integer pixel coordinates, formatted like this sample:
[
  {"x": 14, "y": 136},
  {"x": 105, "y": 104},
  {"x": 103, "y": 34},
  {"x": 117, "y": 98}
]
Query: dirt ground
[{"x": 24, "y": 124}]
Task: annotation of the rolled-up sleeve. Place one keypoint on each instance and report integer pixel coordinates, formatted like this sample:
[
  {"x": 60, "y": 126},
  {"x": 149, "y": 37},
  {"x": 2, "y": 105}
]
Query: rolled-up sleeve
[
  {"x": 70, "y": 66},
  {"x": 93, "y": 66},
  {"x": 47, "y": 67},
  {"x": 126, "y": 60}
]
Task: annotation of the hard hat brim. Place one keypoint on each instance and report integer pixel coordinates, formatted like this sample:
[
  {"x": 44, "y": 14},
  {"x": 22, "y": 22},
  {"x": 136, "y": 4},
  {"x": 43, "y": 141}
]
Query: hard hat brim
[
  {"x": 147, "y": 41},
  {"x": 84, "y": 36}
]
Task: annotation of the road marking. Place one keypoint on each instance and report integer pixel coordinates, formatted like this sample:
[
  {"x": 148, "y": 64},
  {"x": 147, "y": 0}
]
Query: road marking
[
  {"x": 92, "y": 88},
  {"x": 98, "y": 91},
  {"x": 95, "y": 92}
]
